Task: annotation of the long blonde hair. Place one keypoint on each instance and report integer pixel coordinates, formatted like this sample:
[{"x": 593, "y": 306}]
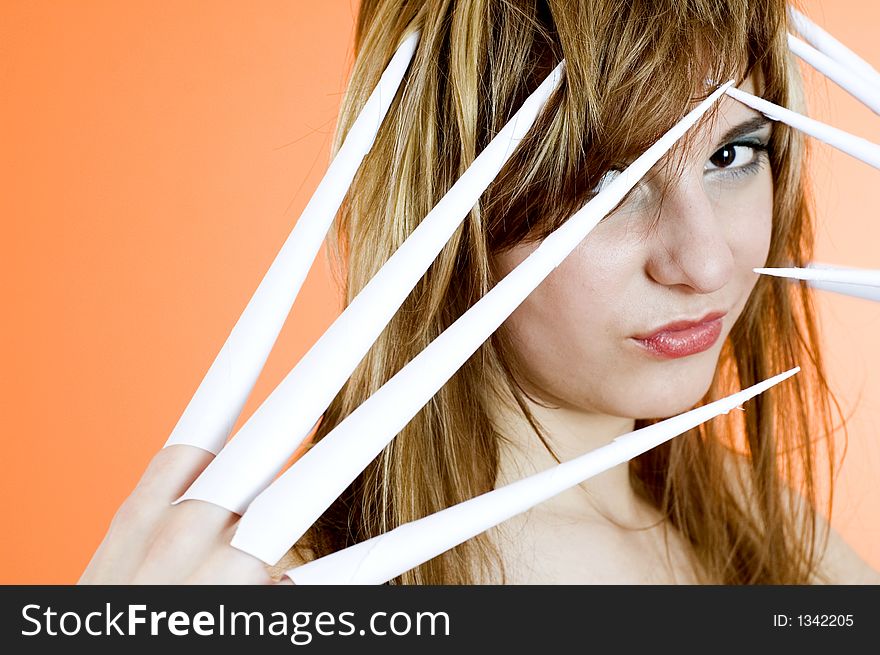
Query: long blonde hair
[{"x": 630, "y": 74}]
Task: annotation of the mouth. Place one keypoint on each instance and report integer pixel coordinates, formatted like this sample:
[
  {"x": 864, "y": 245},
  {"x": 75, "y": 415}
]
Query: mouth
[{"x": 683, "y": 338}]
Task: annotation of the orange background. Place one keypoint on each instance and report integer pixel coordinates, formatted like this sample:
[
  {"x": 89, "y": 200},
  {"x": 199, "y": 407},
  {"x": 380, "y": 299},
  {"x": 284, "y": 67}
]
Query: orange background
[{"x": 154, "y": 158}]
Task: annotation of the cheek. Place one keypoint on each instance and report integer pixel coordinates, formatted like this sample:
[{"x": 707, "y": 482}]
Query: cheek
[
  {"x": 568, "y": 335},
  {"x": 750, "y": 228},
  {"x": 562, "y": 332},
  {"x": 756, "y": 221},
  {"x": 566, "y": 304}
]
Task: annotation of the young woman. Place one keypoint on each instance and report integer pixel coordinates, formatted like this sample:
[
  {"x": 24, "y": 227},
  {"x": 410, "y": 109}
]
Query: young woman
[{"x": 657, "y": 311}]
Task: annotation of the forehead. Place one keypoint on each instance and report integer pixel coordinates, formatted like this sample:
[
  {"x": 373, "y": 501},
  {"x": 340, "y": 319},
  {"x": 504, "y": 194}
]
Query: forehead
[
  {"x": 731, "y": 120},
  {"x": 730, "y": 115}
]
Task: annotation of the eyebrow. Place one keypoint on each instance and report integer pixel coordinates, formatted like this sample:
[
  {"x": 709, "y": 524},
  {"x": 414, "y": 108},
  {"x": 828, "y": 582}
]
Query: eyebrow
[{"x": 749, "y": 126}]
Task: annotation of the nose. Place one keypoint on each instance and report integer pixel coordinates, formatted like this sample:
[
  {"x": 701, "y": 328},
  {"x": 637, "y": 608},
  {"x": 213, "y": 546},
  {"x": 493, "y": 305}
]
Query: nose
[{"x": 689, "y": 245}]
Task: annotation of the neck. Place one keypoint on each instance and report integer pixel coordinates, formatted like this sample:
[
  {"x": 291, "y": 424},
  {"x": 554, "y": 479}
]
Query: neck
[{"x": 569, "y": 432}]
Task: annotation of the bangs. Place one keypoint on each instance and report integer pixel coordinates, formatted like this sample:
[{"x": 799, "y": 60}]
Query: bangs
[{"x": 632, "y": 71}]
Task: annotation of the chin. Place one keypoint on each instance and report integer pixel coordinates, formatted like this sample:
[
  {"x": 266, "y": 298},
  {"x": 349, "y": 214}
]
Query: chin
[{"x": 670, "y": 396}]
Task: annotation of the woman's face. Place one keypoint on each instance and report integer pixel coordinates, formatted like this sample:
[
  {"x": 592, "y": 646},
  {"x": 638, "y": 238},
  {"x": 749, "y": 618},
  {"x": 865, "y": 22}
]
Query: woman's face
[{"x": 631, "y": 324}]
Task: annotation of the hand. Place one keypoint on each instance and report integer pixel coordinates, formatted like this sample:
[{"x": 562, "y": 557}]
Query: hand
[{"x": 151, "y": 541}]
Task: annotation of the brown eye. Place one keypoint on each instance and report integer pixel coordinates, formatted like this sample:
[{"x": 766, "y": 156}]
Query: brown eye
[
  {"x": 736, "y": 157},
  {"x": 724, "y": 157}
]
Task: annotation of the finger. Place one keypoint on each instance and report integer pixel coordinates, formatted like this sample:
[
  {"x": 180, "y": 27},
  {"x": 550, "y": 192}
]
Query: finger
[
  {"x": 131, "y": 531},
  {"x": 382, "y": 558},
  {"x": 231, "y": 566},
  {"x": 188, "y": 544},
  {"x": 171, "y": 470},
  {"x": 866, "y": 92},
  {"x": 323, "y": 472},
  {"x": 209, "y": 417},
  {"x": 855, "y": 146},
  {"x": 827, "y": 44},
  {"x": 252, "y": 459}
]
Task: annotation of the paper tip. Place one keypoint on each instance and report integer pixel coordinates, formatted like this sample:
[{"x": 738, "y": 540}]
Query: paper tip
[{"x": 788, "y": 373}]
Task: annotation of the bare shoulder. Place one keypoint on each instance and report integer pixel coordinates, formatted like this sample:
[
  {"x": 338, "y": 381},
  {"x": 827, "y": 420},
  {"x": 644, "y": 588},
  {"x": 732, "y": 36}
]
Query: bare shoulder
[{"x": 838, "y": 562}]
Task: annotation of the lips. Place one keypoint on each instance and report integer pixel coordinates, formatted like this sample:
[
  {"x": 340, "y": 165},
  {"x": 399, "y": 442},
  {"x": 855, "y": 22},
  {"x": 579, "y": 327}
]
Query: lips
[{"x": 683, "y": 338}]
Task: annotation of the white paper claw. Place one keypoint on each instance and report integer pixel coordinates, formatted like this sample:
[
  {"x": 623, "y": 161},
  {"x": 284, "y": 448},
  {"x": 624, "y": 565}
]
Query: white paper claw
[
  {"x": 210, "y": 415},
  {"x": 866, "y": 92},
  {"x": 382, "y": 558},
  {"x": 858, "y": 282},
  {"x": 828, "y": 45},
  {"x": 252, "y": 459},
  {"x": 282, "y": 513},
  {"x": 855, "y": 290},
  {"x": 855, "y": 146}
]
